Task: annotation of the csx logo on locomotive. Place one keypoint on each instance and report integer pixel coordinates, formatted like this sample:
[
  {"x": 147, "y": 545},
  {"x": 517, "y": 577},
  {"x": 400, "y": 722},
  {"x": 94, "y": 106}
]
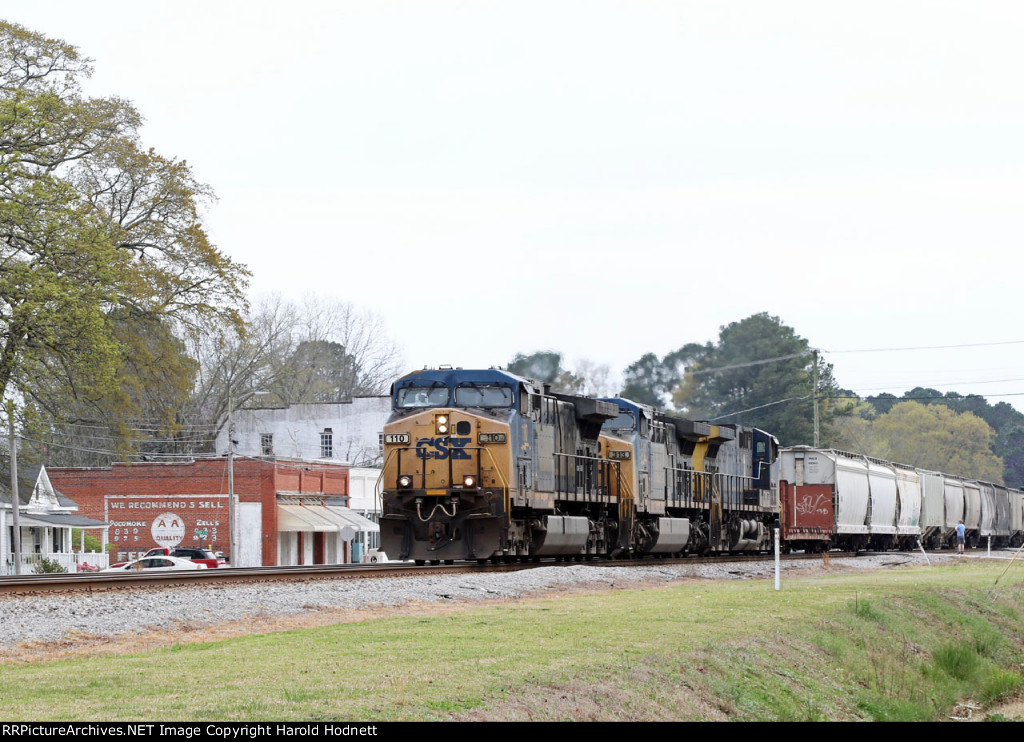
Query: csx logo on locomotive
[{"x": 443, "y": 448}]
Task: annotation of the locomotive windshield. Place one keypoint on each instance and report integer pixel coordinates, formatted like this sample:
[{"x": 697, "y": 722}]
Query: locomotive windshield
[
  {"x": 476, "y": 395},
  {"x": 625, "y": 421},
  {"x": 422, "y": 396}
]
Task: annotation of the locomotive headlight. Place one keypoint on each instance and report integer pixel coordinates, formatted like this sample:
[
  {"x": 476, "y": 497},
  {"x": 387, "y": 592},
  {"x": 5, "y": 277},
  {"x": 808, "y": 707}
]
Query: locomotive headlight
[
  {"x": 405, "y": 481},
  {"x": 441, "y": 424},
  {"x": 469, "y": 481}
]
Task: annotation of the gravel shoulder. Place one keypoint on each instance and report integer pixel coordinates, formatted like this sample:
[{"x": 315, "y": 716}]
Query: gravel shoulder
[{"x": 39, "y": 628}]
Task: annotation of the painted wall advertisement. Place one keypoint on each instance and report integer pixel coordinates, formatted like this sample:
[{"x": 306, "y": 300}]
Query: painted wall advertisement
[{"x": 140, "y": 522}]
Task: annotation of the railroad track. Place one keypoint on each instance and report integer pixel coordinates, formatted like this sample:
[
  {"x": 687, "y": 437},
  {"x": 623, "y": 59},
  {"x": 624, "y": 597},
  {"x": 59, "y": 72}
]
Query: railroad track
[{"x": 103, "y": 582}]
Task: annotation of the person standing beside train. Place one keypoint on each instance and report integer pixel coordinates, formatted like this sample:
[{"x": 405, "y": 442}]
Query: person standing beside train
[{"x": 961, "y": 532}]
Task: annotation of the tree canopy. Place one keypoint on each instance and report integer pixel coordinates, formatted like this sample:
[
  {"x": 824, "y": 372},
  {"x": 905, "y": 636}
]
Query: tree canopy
[
  {"x": 102, "y": 248},
  {"x": 759, "y": 373},
  {"x": 937, "y": 438},
  {"x": 1005, "y": 421},
  {"x": 651, "y": 380}
]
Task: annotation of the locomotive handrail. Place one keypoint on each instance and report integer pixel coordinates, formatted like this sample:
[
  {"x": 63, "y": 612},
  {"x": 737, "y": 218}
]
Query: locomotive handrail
[
  {"x": 718, "y": 482},
  {"x": 506, "y": 500},
  {"x": 378, "y": 496},
  {"x": 601, "y": 474}
]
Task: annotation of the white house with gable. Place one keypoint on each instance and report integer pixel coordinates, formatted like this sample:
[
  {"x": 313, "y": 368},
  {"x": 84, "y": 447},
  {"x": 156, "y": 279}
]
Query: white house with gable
[{"x": 45, "y": 522}]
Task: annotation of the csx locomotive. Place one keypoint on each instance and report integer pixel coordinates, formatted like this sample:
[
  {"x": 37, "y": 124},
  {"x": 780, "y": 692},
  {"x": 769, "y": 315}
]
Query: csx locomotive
[{"x": 484, "y": 464}]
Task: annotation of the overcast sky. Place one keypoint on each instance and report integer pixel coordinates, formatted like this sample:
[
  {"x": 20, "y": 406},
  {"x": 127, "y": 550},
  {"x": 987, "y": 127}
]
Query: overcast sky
[{"x": 604, "y": 178}]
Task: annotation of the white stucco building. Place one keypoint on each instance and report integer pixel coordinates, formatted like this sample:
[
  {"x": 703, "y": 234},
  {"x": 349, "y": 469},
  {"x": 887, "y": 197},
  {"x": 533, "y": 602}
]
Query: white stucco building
[
  {"x": 344, "y": 432},
  {"x": 349, "y": 432}
]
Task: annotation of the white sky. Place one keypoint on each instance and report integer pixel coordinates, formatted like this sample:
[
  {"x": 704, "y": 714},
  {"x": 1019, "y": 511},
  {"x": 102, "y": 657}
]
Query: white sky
[{"x": 604, "y": 178}]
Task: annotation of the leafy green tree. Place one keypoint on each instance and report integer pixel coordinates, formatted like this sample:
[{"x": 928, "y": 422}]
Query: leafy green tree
[
  {"x": 94, "y": 229},
  {"x": 651, "y": 380},
  {"x": 884, "y": 402},
  {"x": 935, "y": 437},
  {"x": 139, "y": 414},
  {"x": 1004, "y": 419},
  {"x": 759, "y": 373},
  {"x": 854, "y": 432}
]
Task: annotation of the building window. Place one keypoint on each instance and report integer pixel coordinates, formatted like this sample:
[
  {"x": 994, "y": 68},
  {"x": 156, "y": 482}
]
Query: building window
[
  {"x": 327, "y": 444},
  {"x": 267, "y": 444}
]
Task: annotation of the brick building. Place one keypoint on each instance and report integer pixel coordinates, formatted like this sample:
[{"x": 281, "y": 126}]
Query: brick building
[{"x": 290, "y": 511}]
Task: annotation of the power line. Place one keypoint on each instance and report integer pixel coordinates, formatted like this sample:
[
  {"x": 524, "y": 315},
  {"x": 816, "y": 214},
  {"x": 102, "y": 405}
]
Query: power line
[
  {"x": 929, "y": 385},
  {"x": 769, "y": 404},
  {"x": 904, "y": 399},
  {"x": 750, "y": 363},
  {"x": 924, "y": 347}
]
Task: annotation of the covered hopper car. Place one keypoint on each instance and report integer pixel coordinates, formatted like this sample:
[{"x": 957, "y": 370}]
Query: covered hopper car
[{"x": 832, "y": 498}]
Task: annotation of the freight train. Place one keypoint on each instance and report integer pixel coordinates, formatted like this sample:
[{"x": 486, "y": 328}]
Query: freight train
[
  {"x": 487, "y": 465},
  {"x": 837, "y": 498}
]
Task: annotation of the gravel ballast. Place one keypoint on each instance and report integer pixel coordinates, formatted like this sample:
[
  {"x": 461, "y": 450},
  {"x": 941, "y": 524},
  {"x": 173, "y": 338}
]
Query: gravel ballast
[{"x": 121, "y": 612}]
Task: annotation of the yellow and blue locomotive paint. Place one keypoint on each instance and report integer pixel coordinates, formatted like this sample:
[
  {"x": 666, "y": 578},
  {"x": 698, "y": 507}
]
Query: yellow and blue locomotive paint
[
  {"x": 483, "y": 464},
  {"x": 697, "y": 486}
]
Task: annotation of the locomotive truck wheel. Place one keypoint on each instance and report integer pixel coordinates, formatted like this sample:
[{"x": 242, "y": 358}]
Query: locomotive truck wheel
[{"x": 420, "y": 562}]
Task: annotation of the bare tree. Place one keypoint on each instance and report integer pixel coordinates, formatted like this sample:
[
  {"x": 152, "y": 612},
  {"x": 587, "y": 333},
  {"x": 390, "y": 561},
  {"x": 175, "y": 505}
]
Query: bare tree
[{"x": 316, "y": 351}]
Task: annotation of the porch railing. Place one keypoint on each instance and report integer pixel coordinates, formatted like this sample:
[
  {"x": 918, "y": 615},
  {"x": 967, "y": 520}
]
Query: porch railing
[{"x": 73, "y": 562}]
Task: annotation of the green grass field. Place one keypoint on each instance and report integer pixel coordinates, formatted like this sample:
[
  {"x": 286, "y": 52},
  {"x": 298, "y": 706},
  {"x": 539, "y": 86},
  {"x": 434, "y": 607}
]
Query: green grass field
[{"x": 905, "y": 644}]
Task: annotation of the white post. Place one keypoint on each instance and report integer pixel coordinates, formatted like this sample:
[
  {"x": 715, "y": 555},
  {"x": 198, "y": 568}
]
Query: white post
[
  {"x": 989, "y": 546},
  {"x": 778, "y": 565}
]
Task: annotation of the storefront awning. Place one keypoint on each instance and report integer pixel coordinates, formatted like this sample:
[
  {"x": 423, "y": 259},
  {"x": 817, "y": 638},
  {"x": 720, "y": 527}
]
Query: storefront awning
[
  {"x": 353, "y": 519},
  {"x": 292, "y": 517}
]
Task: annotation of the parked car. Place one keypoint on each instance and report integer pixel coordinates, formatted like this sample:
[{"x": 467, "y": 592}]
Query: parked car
[
  {"x": 375, "y": 556},
  {"x": 157, "y": 563},
  {"x": 199, "y": 556}
]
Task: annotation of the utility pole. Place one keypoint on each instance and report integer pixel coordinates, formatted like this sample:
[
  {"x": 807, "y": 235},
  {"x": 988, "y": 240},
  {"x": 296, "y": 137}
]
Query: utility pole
[
  {"x": 232, "y": 498},
  {"x": 814, "y": 392},
  {"x": 15, "y": 502}
]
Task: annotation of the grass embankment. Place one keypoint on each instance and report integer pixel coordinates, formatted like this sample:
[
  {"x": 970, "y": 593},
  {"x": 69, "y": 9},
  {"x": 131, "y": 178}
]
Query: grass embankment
[{"x": 896, "y": 645}]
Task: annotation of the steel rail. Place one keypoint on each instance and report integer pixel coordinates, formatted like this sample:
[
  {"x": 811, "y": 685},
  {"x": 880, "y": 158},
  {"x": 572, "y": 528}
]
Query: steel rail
[{"x": 102, "y": 582}]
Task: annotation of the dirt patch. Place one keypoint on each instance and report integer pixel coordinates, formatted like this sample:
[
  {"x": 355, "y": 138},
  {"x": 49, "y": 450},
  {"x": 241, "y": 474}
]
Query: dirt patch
[{"x": 1012, "y": 710}]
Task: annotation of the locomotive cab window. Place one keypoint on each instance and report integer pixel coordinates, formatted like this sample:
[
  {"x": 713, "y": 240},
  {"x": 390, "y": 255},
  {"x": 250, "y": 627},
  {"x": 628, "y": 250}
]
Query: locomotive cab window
[
  {"x": 476, "y": 395},
  {"x": 422, "y": 396},
  {"x": 624, "y": 421}
]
